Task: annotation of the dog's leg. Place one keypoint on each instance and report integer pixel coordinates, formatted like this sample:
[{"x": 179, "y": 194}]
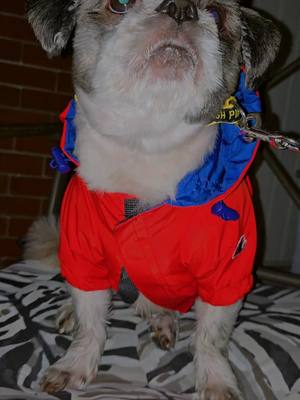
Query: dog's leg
[
  {"x": 65, "y": 319},
  {"x": 80, "y": 364},
  {"x": 163, "y": 322},
  {"x": 214, "y": 377}
]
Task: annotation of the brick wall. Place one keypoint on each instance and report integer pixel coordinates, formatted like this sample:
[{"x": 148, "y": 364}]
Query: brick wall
[{"x": 33, "y": 89}]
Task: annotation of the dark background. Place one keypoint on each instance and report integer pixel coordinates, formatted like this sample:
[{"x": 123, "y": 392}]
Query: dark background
[{"x": 33, "y": 89}]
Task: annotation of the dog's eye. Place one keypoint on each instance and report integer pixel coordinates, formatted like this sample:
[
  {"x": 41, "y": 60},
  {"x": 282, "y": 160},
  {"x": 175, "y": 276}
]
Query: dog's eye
[
  {"x": 215, "y": 13},
  {"x": 119, "y": 6}
]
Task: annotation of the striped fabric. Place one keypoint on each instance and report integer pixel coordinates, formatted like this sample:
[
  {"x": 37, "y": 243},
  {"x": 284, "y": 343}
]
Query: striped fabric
[{"x": 264, "y": 350}]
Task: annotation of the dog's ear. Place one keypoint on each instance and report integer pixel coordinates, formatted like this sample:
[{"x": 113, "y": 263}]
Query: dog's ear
[
  {"x": 260, "y": 44},
  {"x": 53, "y": 22}
]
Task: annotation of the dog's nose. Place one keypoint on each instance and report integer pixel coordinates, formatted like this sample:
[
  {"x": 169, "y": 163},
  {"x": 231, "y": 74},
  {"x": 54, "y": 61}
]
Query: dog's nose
[{"x": 180, "y": 10}]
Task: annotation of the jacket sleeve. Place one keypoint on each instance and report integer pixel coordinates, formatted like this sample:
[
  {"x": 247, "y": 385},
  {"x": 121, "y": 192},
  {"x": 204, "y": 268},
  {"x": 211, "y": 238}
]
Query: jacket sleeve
[{"x": 80, "y": 250}]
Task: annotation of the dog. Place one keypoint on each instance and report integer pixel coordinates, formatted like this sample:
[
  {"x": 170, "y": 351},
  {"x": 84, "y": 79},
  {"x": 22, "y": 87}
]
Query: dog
[{"x": 150, "y": 76}]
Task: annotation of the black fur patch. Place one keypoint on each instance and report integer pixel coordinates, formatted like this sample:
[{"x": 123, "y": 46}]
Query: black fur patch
[
  {"x": 53, "y": 22},
  {"x": 260, "y": 44}
]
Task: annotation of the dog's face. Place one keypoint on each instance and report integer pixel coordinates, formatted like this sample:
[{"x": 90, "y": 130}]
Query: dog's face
[{"x": 179, "y": 59}]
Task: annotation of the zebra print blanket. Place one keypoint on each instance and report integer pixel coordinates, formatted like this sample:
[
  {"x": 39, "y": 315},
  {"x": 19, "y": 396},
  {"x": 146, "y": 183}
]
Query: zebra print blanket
[{"x": 264, "y": 350}]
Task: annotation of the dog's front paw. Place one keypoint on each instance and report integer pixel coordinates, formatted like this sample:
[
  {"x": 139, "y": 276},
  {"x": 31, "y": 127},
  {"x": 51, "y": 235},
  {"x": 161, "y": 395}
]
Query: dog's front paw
[
  {"x": 56, "y": 379},
  {"x": 65, "y": 319},
  {"x": 218, "y": 392},
  {"x": 59, "y": 377},
  {"x": 164, "y": 327}
]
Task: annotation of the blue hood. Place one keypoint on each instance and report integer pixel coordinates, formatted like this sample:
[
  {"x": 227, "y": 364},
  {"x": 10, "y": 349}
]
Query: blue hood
[
  {"x": 228, "y": 162},
  {"x": 221, "y": 171}
]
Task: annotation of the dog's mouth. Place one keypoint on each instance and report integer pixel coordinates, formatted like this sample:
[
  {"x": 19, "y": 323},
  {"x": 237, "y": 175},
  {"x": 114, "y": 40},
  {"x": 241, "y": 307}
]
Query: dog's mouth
[{"x": 171, "y": 61}]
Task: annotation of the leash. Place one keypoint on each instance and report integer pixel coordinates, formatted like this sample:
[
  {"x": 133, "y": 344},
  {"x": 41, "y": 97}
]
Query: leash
[{"x": 250, "y": 126}]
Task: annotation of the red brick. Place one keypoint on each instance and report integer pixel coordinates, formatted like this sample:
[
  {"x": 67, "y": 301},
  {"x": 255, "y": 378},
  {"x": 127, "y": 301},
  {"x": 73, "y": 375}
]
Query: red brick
[
  {"x": 9, "y": 116},
  {"x": 28, "y": 186},
  {"x": 13, "y": 7},
  {"x": 36, "y": 144},
  {"x": 9, "y": 248},
  {"x": 4, "y": 182},
  {"x": 19, "y": 206},
  {"x": 48, "y": 171},
  {"x": 10, "y": 96},
  {"x": 44, "y": 101},
  {"x": 19, "y": 226},
  {"x": 20, "y": 164},
  {"x": 65, "y": 84},
  {"x": 44, "y": 206},
  {"x": 3, "y": 226},
  {"x": 10, "y": 50},
  {"x": 7, "y": 143},
  {"x": 27, "y": 76},
  {"x": 35, "y": 55},
  {"x": 15, "y": 27}
]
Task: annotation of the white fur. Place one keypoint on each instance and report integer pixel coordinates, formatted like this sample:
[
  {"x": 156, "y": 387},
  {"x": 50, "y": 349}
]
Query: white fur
[
  {"x": 214, "y": 376},
  {"x": 133, "y": 137},
  {"x": 65, "y": 319},
  {"x": 164, "y": 330},
  {"x": 113, "y": 167},
  {"x": 132, "y": 134},
  {"x": 145, "y": 308},
  {"x": 79, "y": 365},
  {"x": 41, "y": 242}
]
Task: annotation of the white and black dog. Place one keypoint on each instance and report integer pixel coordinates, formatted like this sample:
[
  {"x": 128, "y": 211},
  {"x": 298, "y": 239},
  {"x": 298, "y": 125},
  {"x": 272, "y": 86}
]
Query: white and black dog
[{"x": 149, "y": 78}]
